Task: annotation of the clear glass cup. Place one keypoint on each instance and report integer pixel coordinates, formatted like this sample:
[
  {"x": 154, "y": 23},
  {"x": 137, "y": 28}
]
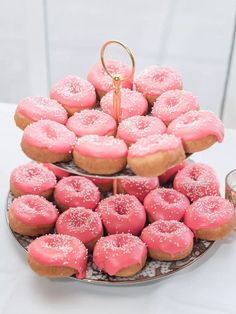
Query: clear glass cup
[{"x": 230, "y": 187}]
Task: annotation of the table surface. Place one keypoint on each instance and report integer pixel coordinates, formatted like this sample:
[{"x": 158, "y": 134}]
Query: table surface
[{"x": 207, "y": 286}]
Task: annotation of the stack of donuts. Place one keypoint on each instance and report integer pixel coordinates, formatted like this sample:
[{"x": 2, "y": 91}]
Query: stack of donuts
[
  {"x": 71, "y": 220},
  {"x": 159, "y": 123}
]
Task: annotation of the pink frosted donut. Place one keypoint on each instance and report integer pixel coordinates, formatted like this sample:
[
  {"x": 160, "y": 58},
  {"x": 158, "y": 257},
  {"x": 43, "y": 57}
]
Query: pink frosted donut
[
  {"x": 91, "y": 122},
  {"x": 168, "y": 240},
  {"x": 32, "y": 109},
  {"x": 197, "y": 180},
  {"x": 153, "y": 155},
  {"x": 122, "y": 213},
  {"x": 134, "y": 128},
  {"x": 172, "y": 171},
  {"x": 173, "y": 103},
  {"x": 58, "y": 255},
  {"x": 74, "y": 94},
  {"x": 210, "y": 217},
  {"x": 59, "y": 173},
  {"x": 32, "y": 215},
  {"x": 81, "y": 223},
  {"x": 48, "y": 141},
  {"x": 32, "y": 178},
  {"x": 120, "y": 254},
  {"x": 197, "y": 129},
  {"x": 75, "y": 191},
  {"x": 100, "y": 154},
  {"x": 165, "y": 204},
  {"x": 138, "y": 186},
  {"x": 155, "y": 80},
  {"x": 132, "y": 104},
  {"x": 103, "y": 82}
]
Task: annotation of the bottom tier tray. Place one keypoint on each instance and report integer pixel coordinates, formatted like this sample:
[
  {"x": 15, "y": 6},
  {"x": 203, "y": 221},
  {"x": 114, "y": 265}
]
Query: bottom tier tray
[{"x": 153, "y": 270}]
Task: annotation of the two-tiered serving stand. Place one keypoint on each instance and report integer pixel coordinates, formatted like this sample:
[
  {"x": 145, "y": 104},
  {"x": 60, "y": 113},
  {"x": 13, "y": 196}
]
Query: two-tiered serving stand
[{"x": 153, "y": 270}]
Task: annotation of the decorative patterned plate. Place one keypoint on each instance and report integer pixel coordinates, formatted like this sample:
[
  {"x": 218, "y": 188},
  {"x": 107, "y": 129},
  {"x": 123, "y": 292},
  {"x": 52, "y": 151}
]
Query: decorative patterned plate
[
  {"x": 153, "y": 270},
  {"x": 72, "y": 168}
]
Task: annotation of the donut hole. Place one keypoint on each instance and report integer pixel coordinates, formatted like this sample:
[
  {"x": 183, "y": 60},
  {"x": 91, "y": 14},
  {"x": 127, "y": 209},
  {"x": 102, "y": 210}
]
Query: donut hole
[
  {"x": 171, "y": 101},
  {"x": 74, "y": 88},
  {"x": 50, "y": 132},
  {"x": 195, "y": 175},
  {"x": 76, "y": 186},
  {"x": 33, "y": 173},
  {"x": 167, "y": 228},
  {"x": 90, "y": 120},
  {"x": 120, "y": 242},
  {"x": 159, "y": 77},
  {"x": 169, "y": 197},
  {"x": 141, "y": 125},
  {"x": 121, "y": 209}
]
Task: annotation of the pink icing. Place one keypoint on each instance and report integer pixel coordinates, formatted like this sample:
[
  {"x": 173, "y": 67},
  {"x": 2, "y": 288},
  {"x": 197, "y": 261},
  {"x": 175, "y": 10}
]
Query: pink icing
[
  {"x": 74, "y": 92},
  {"x": 81, "y": 223},
  {"x": 76, "y": 191},
  {"x": 50, "y": 135},
  {"x": 101, "y": 147},
  {"x": 155, "y": 80},
  {"x": 32, "y": 178},
  {"x": 122, "y": 213},
  {"x": 195, "y": 125},
  {"x": 34, "y": 210},
  {"x": 166, "y": 204},
  {"x": 118, "y": 251},
  {"x": 134, "y": 128},
  {"x": 208, "y": 212},
  {"x": 153, "y": 144},
  {"x": 169, "y": 236},
  {"x": 59, "y": 173},
  {"x": 91, "y": 122},
  {"x": 102, "y": 81},
  {"x": 139, "y": 186},
  {"x": 60, "y": 250},
  {"x": 171, "y": 104},
  {"x": 132, "y": 104},
  {"x": 172, "y": 171},
  {"x": 197, "y": 180},
  {"x": 39, "y": 108},
  {"x": 101, "y": 181}
]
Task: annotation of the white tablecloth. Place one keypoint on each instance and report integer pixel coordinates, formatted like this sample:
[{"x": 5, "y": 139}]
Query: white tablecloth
[{"x": 206, "y": 287}]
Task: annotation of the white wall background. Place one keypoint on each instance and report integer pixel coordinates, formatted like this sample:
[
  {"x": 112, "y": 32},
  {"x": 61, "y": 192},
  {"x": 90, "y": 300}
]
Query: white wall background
[{"x": 43, "y": 40}]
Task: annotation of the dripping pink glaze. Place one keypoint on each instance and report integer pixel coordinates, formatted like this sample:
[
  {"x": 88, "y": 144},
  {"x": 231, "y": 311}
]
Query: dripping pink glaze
[
  {"x": 60, "y": 250},
  {"x": 118, "y": 251},
  {"x": 195, "y": 125},
  {"x": 173, "y": 103},
  {"x": 41, "y": 108},
  {"x": 134, "y": 128},
  {"x": 102, "y": 81},
  {"x": 208, "y": 212},
  {"x": 101, "y": 147},
  {"x": 32, "y": 178},
  {"x": 81, "y": 223},
  {"x": 155, "y": 80},
  {"x": 74, "y": 92},
  {"x": 169, "y": 236},
  {"x": 172, "y": 171},
  {"x": 166, "y": 204},
  {"x": 91, "y": 122},
  {"x": 197, "y": 180},
  {"x": 132, "y": 103},
  {"x": 153, "y": 144},
  {"x": 139, "y": 186},
  {"x": 76, "y": 191},
  {"x": 122, "y": 213},
  {"x": 33, "y": 210},
  {"x": 59, "y": 173},
  {"x": 50, "y": 135}
]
